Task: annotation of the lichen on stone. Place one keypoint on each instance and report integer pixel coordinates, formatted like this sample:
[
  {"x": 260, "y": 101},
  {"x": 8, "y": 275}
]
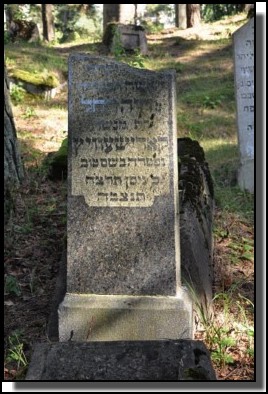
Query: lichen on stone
[{"x": 50, "y": 81}]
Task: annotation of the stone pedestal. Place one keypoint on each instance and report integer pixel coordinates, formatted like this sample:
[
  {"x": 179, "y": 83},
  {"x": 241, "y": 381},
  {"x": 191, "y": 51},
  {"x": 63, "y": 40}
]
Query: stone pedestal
[
  {"x": 123, "y": 255},
  {"x": 121, "y": 317},
  {"x": 132, "y": 38}
]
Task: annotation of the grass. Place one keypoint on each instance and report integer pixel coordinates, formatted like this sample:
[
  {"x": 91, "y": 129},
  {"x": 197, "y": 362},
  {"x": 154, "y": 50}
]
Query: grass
[
  {"x": 35, "y": 58},
  {"x": 15, "y": 356},
  {"x": 206, "y": 112}
]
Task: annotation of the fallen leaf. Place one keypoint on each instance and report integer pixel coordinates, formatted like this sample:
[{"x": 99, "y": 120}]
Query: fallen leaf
[{"x": 9, "y": 303}]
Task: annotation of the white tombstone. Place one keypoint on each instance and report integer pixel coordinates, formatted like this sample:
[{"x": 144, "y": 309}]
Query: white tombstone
[{"x": 243, "y": 40}]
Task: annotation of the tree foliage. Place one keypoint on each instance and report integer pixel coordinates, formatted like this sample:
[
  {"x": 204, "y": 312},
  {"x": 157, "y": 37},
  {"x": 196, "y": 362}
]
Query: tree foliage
[
  {"x": 157, "y": 9},
  {"x": 71, "y": 20},
  {"x": 156, "y": 15},
  {"x": 75, "y": 18},
  {"x": 213, "y": 12}
]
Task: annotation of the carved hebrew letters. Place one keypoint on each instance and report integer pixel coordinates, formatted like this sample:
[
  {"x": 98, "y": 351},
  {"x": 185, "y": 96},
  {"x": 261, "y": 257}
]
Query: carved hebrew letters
[
  {"x": 120, "y": 151},
  {"x": 244, "y": 81}
]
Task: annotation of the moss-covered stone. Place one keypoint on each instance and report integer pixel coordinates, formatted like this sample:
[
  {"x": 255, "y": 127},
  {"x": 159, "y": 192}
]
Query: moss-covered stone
[
  {"x": 50, "y": 81},
  {"x": 56, "y": 162},
  {"x": 113, "y": 28},
  {"x": 196, "y": 217},
  {"x": 198, "y": 373},
  {"x": 192, "y": 155}
]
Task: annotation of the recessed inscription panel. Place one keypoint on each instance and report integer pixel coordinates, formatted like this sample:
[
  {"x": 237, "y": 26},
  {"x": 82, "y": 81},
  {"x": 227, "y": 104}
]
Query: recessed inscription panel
[{"x": 120, "y": 155}]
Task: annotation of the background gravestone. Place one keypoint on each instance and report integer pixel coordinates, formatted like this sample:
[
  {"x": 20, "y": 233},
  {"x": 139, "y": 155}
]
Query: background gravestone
[
  {"x": 243, "y": 40},
  {"x": 196, "y": 222},
  {"x": 123, "y": 256},
  {"x": 129, "y": 37}
]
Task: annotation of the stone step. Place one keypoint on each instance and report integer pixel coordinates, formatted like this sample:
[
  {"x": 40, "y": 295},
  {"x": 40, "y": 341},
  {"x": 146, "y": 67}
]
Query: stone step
[{"x": 163, "y": 360}]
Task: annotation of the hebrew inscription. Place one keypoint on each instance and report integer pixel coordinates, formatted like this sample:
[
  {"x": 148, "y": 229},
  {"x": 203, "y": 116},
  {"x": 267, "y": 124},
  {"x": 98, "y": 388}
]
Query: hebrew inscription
[
  {"x": 120, "y": 139},
  {"x": 244, "y": 79}
]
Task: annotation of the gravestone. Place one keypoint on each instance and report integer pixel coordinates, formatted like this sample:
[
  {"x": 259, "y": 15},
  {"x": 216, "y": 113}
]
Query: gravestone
[
  {"x": 123, "y": 254},
  {"x": 196, "y": 222},
  {"x": 130, "y": 37},
  {"x": 243, "y": 40}
]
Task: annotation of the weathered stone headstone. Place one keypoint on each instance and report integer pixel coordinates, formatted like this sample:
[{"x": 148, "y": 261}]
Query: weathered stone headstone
[
  {"x": 244, "y": 83},
  {"x": 123, "y": 256},
  {"x": 196, "y": 222},
  {"x": 130, "y": 37}
]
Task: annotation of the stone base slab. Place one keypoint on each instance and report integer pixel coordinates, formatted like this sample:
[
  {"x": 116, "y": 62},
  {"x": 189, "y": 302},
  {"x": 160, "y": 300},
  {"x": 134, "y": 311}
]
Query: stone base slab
[
  {"x": 121, "y": 361},
  {"x": 119, "y": 317}
]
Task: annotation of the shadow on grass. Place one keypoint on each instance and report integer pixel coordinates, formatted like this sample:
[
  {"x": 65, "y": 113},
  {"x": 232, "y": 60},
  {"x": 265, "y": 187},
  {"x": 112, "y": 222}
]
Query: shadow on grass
[
  {"x": 34, "y": 160},
  {"x": 224, "y": 164},
  {"x": 37, "y": 56}
]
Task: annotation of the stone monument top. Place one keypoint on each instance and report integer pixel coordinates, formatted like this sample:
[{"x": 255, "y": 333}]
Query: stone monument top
[{"x": 123, "y": 255}]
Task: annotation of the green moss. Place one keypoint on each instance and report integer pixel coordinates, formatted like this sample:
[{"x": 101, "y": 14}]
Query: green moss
[
  {"x": 198, "y": 373},
  {"x": 36, "y": 79},
  {"x": 56, "y": 162},
  {"x": 62, "y": 153}
]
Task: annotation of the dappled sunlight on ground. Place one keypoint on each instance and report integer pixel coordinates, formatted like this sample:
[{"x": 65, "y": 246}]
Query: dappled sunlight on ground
[
  {"x": 46, "y": 125},
  {"x": 206, "y": 31}
]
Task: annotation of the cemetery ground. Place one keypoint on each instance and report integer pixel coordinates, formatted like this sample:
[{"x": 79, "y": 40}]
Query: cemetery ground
[{"x": 35, "y": 236}]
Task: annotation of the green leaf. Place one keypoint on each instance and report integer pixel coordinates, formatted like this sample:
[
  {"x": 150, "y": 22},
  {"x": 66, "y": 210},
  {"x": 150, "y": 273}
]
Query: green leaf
[
  {"x": 247, "y": 256},
  {"x": 228, "y": 342}
]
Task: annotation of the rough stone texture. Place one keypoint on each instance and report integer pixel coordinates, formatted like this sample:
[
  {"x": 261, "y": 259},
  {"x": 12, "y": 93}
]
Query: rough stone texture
[
  {"x": 196, "y": 211},
  {"x": 103, "y": 318},
  {"x": 122, "y": 197},
  {"x": 129, "y": 361},
  {"x": 57, "y": 298},
  {"x": 123, "y": 231},
  {"x": 44, "y": 90},
  {"x": 243, "y": 40},
  {"x": 196, "y": 218},
  {"x": 131, "y": 37}
]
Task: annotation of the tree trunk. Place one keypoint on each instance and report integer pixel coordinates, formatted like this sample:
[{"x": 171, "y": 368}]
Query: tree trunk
[
  {"x": 13, "y": 170},
  {"x": 250, "y": 9},
  {"x": 193, "y": 15},
  {"x": 122, "y": 13},
  {"x": 10, "y": 11},
  {"x": 48, "y": 22},
  {"x": 13, "y": 167},
  {"x": 181, "y": 16},
  {"x": 126, "y": 13},
  {"x": 244, "y": 7}
]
